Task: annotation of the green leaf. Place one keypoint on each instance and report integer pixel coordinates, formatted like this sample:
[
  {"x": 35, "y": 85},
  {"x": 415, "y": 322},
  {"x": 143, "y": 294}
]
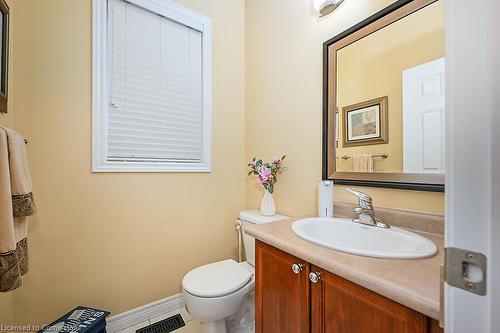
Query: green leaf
[
  {"x": 250, "y": 172},
  {"x": 270, "y": 188}
]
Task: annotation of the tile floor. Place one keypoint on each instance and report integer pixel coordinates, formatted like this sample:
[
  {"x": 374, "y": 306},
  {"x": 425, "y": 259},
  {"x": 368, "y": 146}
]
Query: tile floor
[{"x": 192, "y": 326}]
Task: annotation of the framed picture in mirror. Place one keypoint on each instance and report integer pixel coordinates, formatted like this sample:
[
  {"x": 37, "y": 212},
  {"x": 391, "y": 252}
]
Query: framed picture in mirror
[
  {"x": 4, "y": 54},
  {"x": 366, "y": 123}
]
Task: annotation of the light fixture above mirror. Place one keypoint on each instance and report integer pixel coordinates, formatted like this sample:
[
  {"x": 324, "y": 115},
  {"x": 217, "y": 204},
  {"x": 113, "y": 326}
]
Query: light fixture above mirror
[{"x": 325, "y": 7}]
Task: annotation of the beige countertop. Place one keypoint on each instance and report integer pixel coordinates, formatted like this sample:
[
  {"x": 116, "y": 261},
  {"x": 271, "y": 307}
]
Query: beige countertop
[{"x": 413, "y": 283}]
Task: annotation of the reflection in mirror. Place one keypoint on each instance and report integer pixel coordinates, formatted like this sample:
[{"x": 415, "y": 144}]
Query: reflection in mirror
[{"x": 390, "y": 97}]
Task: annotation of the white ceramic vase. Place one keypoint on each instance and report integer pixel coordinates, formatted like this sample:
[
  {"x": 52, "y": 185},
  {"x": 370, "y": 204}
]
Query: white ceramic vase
[{"x": 267, "y": 206}]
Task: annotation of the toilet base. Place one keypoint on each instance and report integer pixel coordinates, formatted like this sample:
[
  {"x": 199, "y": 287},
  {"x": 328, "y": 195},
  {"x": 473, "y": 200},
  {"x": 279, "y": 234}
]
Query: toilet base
[{"x": 218, "y": 326}]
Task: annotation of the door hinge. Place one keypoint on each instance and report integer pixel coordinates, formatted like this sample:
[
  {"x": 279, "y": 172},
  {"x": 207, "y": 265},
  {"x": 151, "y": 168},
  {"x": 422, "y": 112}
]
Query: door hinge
[{"x": 466, "y": 270}]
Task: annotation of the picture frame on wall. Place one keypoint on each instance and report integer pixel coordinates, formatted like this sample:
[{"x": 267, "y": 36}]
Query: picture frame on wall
[
  {"x": 4, "y": 54},
  {"x": 366, "y": 123}
]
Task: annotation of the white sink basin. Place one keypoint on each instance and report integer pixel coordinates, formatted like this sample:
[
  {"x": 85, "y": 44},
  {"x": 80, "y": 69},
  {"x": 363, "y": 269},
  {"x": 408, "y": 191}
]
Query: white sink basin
[{"x": 354, "y": 238}]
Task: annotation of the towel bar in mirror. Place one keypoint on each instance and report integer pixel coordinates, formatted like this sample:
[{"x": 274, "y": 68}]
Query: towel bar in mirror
[{"x": 384, "y": 156}]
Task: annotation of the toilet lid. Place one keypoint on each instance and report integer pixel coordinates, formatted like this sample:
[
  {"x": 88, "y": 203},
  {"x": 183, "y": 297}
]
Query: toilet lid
[{"x": 216, "y": 279}]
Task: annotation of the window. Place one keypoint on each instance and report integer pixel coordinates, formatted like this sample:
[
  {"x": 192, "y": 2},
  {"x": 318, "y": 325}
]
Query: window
[{"x": 151, "y": 87}]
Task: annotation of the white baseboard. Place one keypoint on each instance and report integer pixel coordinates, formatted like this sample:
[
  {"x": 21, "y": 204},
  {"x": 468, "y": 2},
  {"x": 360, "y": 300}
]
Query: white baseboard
[{"x": 138, "y": 315}]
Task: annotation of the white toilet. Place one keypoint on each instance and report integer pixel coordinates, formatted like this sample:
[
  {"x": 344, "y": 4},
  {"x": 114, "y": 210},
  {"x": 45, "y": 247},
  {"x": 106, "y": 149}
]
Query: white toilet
[{"x": 220, "y": 294}]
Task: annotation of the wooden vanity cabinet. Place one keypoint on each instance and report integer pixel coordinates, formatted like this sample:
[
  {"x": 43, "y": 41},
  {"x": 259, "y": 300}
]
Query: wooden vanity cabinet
[
  {"x": 342, "y": 306},
  {"x": 282, "y": 297},
  {"x": 286, "y": 301}
]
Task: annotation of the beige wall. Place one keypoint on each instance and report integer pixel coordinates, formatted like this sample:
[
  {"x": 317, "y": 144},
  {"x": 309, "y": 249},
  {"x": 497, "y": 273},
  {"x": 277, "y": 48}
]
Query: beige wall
[
  {"x": 373, "y": 66},
  {"x": 117, "y": 241},
  {"x": 283, "y": 100},
  {"x": 7, "y": 119},
  {"x": 6, "y": 309}
]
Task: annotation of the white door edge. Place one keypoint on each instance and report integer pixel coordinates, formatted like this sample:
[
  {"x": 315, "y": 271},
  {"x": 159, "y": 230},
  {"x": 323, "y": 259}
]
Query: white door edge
[{"x": 472, "y": 154}]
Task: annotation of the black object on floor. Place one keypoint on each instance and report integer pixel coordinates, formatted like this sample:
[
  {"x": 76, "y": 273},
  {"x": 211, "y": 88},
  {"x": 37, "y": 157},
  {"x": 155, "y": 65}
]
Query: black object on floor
[
  {"x": 165, "y": 326},
  {"x": 79, "y": 320}
]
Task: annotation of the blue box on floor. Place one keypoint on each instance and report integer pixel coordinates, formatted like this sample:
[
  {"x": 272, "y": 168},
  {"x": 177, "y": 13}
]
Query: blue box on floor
[{"x": 79, "y": 320}]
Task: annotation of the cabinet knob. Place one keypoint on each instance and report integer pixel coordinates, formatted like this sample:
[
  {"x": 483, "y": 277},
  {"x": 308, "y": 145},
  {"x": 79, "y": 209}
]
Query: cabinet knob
[
  {"x": 314, "y": 277},
  {"x": 297, "y": 268}
]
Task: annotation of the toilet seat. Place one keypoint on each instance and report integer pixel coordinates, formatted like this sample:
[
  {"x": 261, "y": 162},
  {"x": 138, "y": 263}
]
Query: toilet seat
[{"x": 216, "y": 279}]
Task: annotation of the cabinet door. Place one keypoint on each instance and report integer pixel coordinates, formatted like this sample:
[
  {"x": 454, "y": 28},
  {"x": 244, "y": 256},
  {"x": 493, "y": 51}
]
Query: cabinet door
[
  {"x": 434, "y": 326},
  {"x": 282, "y": 296},
  {"x": 340, "y": 306}
]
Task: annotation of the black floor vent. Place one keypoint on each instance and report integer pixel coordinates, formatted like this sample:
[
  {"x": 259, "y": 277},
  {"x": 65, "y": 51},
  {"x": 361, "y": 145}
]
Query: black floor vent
[{"x": 165, "y": 326}]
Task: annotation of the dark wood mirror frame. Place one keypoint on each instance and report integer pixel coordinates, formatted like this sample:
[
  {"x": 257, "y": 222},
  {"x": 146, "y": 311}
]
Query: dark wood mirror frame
[
  {"x": 410, "y": 181},
  {"x": 4, "y": 9}
]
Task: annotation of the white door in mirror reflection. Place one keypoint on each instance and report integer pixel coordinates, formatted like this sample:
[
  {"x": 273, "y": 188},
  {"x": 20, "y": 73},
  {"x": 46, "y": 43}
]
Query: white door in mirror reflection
[{"x": 423, "y": 118}]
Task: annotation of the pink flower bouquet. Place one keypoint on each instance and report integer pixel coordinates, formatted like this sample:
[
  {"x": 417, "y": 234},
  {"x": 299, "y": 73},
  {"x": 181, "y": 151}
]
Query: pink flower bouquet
[{"x": 266, "y": 172}]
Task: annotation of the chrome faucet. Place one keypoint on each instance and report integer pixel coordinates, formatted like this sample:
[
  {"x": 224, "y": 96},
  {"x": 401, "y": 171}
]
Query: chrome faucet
[{"x": 365, "y": 212}]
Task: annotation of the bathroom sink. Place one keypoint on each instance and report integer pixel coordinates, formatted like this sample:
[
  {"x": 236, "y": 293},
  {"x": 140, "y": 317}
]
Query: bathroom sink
[{"x": 354, "y": 238}]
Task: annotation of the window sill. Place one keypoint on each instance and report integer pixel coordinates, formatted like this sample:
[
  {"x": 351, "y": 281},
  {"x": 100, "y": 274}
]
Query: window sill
[{"x": 120, "y": 167}]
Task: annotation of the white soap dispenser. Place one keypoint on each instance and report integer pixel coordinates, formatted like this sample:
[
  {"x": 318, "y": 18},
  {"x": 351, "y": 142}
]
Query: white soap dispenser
[{"x": 325, "y": 198}]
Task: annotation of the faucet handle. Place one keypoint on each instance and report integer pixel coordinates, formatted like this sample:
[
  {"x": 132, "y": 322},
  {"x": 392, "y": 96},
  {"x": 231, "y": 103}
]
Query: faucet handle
[
  {"x": 361, "y": 195},
  {"x": 365, "y": 201}
]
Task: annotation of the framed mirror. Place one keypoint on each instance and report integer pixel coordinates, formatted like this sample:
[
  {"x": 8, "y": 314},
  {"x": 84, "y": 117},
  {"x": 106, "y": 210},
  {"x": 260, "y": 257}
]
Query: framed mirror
[
  {"x": 383, "y": 99},
  {"x": 4, "y": 54}
]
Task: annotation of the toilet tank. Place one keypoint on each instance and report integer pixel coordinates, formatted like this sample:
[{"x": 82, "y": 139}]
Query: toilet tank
[{"x": 249, "y": 217}]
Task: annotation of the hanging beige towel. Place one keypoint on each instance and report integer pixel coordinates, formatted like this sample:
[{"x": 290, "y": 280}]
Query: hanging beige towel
[
  {"x": 362, "y": 163},
  {"x": 16, "y": 202}
]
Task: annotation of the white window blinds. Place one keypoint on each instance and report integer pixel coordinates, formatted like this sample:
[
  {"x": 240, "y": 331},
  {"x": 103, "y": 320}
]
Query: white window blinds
[{"x": 155, "y": 88}]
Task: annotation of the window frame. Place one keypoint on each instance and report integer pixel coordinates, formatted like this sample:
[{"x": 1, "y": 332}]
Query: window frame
[{"x": 177, "y": 13}]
